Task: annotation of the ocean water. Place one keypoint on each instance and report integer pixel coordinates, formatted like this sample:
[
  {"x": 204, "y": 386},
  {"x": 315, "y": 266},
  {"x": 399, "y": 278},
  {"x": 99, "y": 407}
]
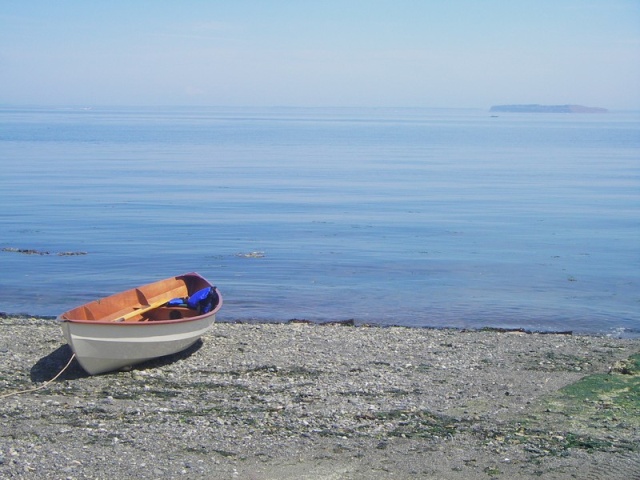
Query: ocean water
[{"x": 415, "y": 217}]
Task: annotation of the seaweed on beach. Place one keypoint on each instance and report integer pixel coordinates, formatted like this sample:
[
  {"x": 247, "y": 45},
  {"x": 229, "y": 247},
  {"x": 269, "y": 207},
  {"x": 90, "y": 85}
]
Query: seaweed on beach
[{"x": 30, "y": 251}]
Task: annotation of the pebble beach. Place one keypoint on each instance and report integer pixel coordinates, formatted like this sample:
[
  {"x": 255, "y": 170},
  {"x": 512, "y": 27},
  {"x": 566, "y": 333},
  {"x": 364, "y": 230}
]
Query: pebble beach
[{"x": 325, "y": 401}]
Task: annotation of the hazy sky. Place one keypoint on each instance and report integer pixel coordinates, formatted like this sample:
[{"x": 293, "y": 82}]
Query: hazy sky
[{"x": 423, "y": 53}]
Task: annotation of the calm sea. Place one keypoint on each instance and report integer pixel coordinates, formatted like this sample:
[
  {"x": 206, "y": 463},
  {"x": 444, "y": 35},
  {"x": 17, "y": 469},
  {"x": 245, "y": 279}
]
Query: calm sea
[{"x": 415, "y": 217}]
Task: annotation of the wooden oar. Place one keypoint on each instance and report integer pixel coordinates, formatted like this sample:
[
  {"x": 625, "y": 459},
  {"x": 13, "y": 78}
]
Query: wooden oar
[{"x": 141, "y": 310}]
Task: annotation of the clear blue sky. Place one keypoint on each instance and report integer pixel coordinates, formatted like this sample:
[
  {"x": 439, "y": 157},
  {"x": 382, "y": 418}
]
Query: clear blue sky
[{"x": 424, "y": 53}]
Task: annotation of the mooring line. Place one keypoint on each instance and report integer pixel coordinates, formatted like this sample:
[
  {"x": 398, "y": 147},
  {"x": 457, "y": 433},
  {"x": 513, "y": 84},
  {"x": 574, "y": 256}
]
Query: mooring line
[{"x": 44, "y": 384}]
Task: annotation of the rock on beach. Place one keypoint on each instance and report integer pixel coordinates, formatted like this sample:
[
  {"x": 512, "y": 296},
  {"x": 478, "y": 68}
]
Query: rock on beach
[{"x": 308, "y": 401}]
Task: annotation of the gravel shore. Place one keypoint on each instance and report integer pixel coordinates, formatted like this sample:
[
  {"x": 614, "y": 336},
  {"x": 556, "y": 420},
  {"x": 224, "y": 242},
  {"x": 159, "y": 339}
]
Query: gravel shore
[{"x": 308, "y": 401}]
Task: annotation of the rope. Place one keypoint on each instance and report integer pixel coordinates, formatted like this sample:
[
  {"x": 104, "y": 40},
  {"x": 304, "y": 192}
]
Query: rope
[{"x": 45, "y": 384}]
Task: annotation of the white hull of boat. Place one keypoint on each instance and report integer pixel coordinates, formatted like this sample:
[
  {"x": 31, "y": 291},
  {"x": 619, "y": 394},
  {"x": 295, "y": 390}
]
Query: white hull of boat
[
  {"x": 101, "y": 348},
  {"x": 139, "y": 324}
]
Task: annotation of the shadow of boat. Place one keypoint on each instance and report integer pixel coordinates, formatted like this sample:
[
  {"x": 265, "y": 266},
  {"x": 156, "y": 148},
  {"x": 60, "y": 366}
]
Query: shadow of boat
[{"x": 48, "y": 367}]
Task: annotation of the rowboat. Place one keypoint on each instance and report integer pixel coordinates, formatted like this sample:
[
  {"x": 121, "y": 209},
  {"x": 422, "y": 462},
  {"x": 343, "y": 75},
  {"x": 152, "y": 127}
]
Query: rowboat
[{"x": 130, "y": 327}]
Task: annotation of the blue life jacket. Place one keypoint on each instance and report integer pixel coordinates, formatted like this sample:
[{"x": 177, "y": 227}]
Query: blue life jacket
[{"x": 203, "y": 300}]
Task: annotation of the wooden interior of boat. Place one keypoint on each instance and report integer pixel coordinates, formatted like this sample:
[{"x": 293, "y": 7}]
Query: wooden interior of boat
[
  {"x": 168, "y": 313},
  {"x": 141, "y": 304}
]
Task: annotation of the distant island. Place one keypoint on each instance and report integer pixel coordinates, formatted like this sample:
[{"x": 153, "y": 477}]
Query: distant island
[{"x": 547, "y": 109}]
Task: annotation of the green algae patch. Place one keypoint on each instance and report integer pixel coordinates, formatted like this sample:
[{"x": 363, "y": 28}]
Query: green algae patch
[
  {"x": 611, "y": 396},
  {"x": 598, "y": 411}
]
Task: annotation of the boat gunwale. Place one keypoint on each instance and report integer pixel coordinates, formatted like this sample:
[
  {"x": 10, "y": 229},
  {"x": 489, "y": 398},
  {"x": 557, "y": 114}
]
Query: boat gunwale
[
  {"x": 61, "y": 319},
  {"x": 147, "y": 323}
]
